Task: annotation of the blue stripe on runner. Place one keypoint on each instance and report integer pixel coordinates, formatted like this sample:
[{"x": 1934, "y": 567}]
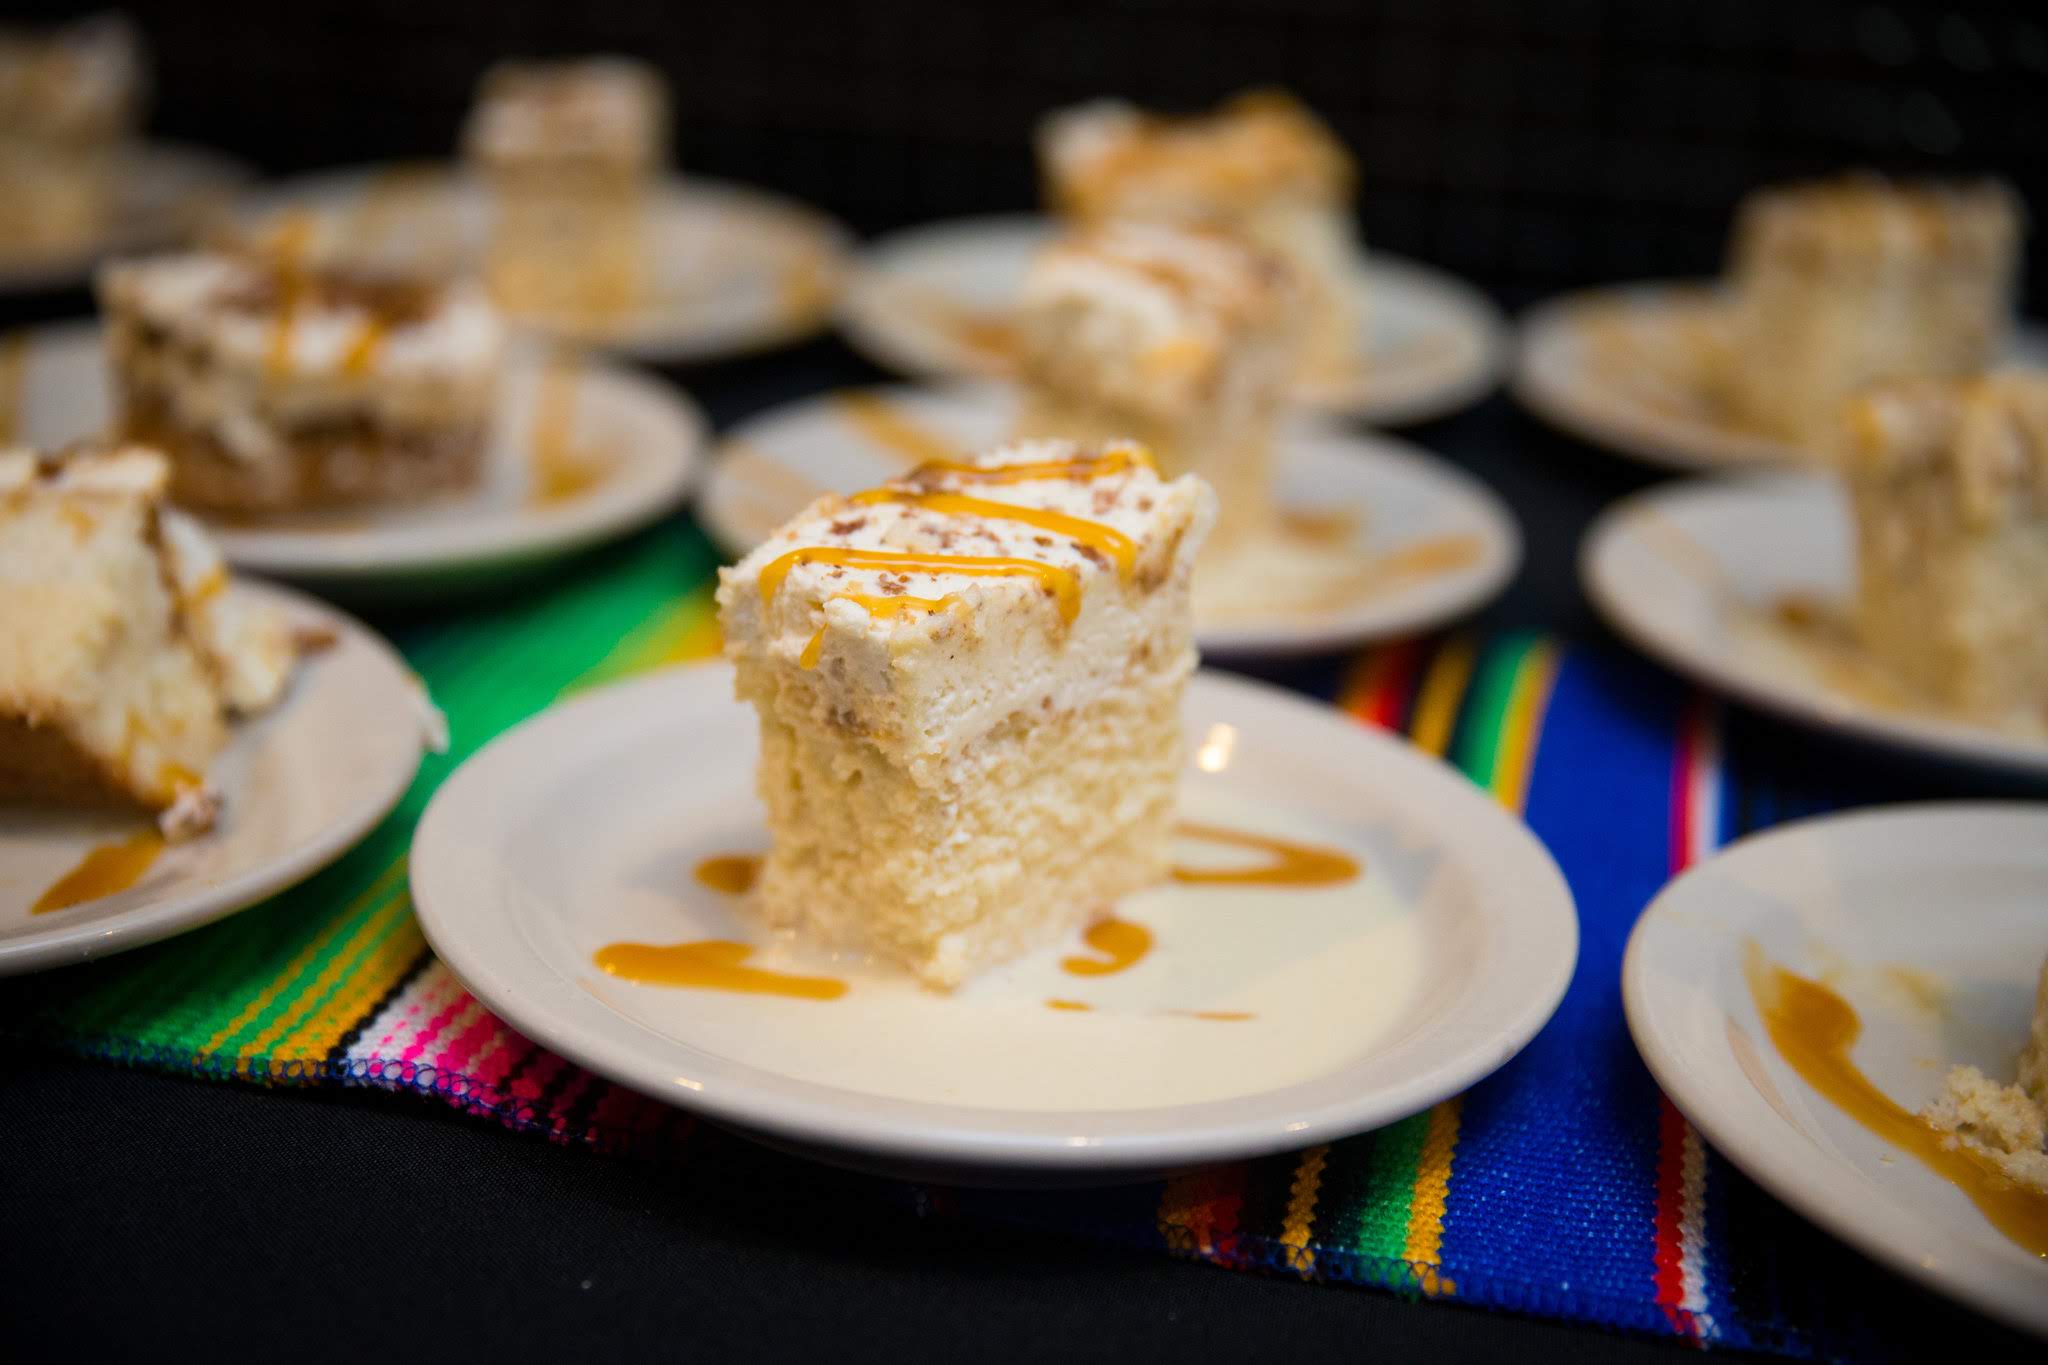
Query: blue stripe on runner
[{"x": 1556, "y": 1173}]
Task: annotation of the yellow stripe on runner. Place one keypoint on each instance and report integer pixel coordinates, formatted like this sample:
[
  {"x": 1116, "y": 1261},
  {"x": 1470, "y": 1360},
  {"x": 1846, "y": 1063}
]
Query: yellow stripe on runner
[
  {"x": 1520, "y": 727},
  {"x": 1443, "y": 689},
  {"x": 370, "y": 982},
  {"x": 1301, "y": 1208},
  {"x": 1432, "y": 1191},
  {"x": 340, "y": 964},
  {"x": 382, "y": 885}
]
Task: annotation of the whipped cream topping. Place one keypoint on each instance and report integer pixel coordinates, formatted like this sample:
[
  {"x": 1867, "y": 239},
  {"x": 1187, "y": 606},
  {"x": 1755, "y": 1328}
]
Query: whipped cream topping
[
  {"x": 925, "y": 680},
  {"x": 239, "y": 350},
  {"x": 196, "y": 297},
  {"x": 1152, "y": 311}
]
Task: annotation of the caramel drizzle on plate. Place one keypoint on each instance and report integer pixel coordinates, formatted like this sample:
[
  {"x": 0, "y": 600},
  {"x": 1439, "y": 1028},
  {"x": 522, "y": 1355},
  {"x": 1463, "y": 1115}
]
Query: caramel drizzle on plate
[
  {"x": 1814, "y": 1029},
  {"x": 563, "y": 469},
  {"x": 1291, "y": 864},
  {"x": 710, "y": 964},
  {"x": 887, "y": 426},
  {"x": 732, "y": 873},
  {"x": 105, "y": 870},
  {"x": 1122, "y": 945}
]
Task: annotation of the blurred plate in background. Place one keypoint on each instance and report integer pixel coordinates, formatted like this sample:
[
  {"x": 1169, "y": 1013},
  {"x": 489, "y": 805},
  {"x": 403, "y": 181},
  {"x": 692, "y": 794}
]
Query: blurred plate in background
[
  {"x": 1630, "y": 368},
  {"x": 583, "y": 451},
  {"x": 1744, "y": 584},
  {"x": 935, "y": 302},
  {"x": 732, "y": 269},
  {"x": 167, "y": 193},
  {"x": 299, "y": 784}
]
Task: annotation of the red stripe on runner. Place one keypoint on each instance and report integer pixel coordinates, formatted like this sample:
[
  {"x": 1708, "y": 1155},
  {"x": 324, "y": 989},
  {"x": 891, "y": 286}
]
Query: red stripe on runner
[{"x": 1670, "y": 1254}]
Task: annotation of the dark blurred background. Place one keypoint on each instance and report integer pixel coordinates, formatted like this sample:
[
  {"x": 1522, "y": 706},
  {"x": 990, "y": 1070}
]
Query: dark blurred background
[{"x": 1531, "y": 146}]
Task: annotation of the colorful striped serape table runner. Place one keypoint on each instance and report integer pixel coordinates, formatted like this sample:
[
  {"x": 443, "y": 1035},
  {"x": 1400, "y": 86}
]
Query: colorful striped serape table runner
[{"x": 1565, "y": 1185}]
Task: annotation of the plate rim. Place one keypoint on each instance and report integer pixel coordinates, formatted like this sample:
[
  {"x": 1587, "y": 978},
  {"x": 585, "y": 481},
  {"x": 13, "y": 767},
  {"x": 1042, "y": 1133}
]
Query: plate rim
[
  {"x": 1825, "y": 1201},
  {"x": 577, "y": 526},
  {"x": 1948, "y": 741},
  {"x": 834, "y": 1119},
  {"x": 1488, "y": 324},
  {"x": 69, "y": 945},
  {"x": 660, "y": 346},
  {"x": 1506, "y": 544}
]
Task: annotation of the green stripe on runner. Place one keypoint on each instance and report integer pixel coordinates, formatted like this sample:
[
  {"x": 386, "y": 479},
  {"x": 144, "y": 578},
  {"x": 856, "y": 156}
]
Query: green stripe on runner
[
  {"x": 329, "y": 937},
  {"x": 1476, "y": 748},
  {"x": 1388, "y": 1190}
]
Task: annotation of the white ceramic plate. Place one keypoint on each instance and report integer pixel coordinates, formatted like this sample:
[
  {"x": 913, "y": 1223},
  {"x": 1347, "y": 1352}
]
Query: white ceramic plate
[
  {"x": 167, "y": 192},
  {"x": 645, "y": 435},
  {"x": 1310, "y": 595},
  {"x": 1621, "y": 367},
  {"x": 1432, "y": 343},
  {"x": 735, "y": 269},
  {"x": 301, "y": 784},
  {"x": 1932, "y": 922},
  {"x": 1370, "y": 1000},
  {"x": 1689, "y": 572}
]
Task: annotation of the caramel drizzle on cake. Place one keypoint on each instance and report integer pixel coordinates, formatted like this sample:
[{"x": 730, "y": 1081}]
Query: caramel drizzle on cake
[
  {"x": 361, "y": 354},
  {"x": 1063, "y": 584},
  {"x": 881, "y": 608},
  {"x": 289, "y": 248},
  {"x": 1105, "y": 539}
]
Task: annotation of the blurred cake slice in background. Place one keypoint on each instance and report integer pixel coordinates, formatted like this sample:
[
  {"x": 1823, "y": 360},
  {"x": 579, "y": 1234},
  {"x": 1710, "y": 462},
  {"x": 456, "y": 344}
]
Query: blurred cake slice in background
[
  {"x": 1842, "y": 283},
  {"x": 278, "y": 386},
  {"x": 572, "y": 151},
  {"x": 1180, "y": 339},
  {"x": 123, "y": 654},
  {"x": 969, "y": 686},
  {"x": 1260, "y": 166},
  {"x": 70, "y": 100},
  {"x": 1949, "y": 487}
]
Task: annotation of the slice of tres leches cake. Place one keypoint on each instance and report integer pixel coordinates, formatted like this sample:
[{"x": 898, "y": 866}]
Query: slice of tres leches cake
[
  {"x": 1185, "y": 340},
  {"x": 969, "y": 685},
  {"x": 1948, "y": 487},
  {"x": 122, "y": 654}
]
